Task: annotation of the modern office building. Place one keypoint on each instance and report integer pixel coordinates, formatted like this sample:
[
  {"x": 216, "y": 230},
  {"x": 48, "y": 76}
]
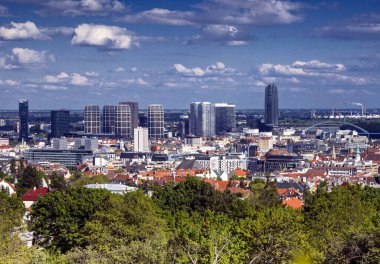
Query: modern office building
[
  {"x": 108, "y": 119},
  {"x": 134, "y": 107},
  {"x": 271, "y": 105},
  {"x": 92, "y": 122},
  {"x": 59, "y": 143},
  {"x": 225, "y": 118},
  {"x": 60, "y": 123},
  {"x": 193, "y": 118},
  {"x": 141, "y": 139},
  {"x": 69, "y": 158},
  {"x": 156, "y": 121},
  {"x": 123, "y": 121},
  {"x": 183, "y": 126},
  {"x": 202, "y": 120},
  {"x": 23, "y": 113}
]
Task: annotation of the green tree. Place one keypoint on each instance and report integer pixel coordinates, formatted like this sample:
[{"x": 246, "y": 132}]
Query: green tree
[
  {"x": 13, "y": 166},
  {"x": 274, "y": 235},
  {"x": 195, "y": 195},
  {"x": 58, "y": 218},
  {"x": 57, "y": 182},
  {"x": 85, "y": 179},
  {"x": 130, "y": 223},
  {"x": 207, "y": 238},
  {"x": 335, "y": 217},
  {"x": 29, "y": 178}
]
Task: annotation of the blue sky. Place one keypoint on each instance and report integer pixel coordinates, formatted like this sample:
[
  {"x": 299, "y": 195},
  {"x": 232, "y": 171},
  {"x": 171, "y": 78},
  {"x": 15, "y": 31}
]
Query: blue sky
[{"x": 69, "y": 53}]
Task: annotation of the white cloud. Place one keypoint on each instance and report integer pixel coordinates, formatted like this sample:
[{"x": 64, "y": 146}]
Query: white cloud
[
  {"x": 92, "y": 74},
  {"x": 189, "y": 71},
  {"x": 120, "y": 69},
  {"x": 29, "y": 56},
  {"x": 80, "y": 7},
  {"x": 54, "y": 88},
  {"x": 217, "y": 68},
  {"x": 137, "y": 81},
  {"x": 102, "y": 36},
  {"x": 316, "y": 64},
  {"x": 21, "y": 31},
  {"x": 9, "y": 82},
  {"x": 237, "y": 43},
  {"x": 224, "y": 12},
  {"x": 79, "y": 80},
  {"x": 134, "y": 69},
  {"x": 68, "y": 79},
  {"x": 268, "y": 68}
]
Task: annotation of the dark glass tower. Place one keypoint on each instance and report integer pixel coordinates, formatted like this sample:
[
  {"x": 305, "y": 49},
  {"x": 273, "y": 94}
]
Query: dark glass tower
[
  {"x": 134, "y": 107},
  {"x": 60, "y": 123},
  {"x": 109, "y": 119},
  {"x": 225, "y": 118},
  {"x": 271, "y": 105},
  {"x": 23, "y": 113}
]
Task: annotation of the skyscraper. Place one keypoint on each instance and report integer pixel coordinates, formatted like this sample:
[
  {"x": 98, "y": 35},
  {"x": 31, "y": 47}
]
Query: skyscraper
[
  {"x": 193, "y": 118},
  {"x": 271, "y": 105},
  {"x": 134, "y": 107},
  {"x": 156, "y": 121},
  {"x": 92, "y": 120},
  {"x": 108, "y": 119},
  {"x": 23, "y": 113},
  {"x": 140, "y": 139},
  {"x": 225, "y": 118},
  {"x": 123, "y": 121},
  {"x": 202, "y": 120},
  {"x": 60, "y": 123}
]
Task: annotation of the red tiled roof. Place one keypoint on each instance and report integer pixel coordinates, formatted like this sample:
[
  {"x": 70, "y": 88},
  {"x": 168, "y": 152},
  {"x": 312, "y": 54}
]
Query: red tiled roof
[
  {"x": 293, "y": 202},
  {"x": 34, "y": 194}
]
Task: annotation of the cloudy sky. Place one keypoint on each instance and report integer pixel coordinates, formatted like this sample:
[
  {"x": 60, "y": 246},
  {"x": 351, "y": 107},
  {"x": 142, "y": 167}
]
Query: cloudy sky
[{"x": 69, "y": 53}]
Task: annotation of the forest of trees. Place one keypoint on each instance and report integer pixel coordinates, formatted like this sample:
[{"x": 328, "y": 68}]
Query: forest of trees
[{"x": 190, "y": 222}]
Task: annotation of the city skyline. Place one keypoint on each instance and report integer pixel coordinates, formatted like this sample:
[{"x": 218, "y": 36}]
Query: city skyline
[{"x": 68, "y": 54}]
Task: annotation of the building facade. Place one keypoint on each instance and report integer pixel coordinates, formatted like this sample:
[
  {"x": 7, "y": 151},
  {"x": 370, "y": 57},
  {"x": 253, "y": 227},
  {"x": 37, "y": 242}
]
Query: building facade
[
  {"x": 123, "y": 121},
  {"x": 203, "y": 119},
  {"x": 60, "y": 123},
  {"x": 92, "y": 121},
  {"x": 23, "y": 113},
  {"x": 225, "y": 118},
  {"x": 134, "y": 108},
  {"x": 141, "y": 139},
  {"x": 108, "y": 119},
  {"x": 156, "y": 121},
  {"x": 271, "y": 105}
]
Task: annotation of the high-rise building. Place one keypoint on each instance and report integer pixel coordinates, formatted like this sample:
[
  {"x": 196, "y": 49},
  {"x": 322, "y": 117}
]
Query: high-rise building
[
  {"x": 123, "y": 121},
  {"x": 183, "y": 126},
  {"x": 225, "y": 118},
  {"x": 60, "y": 123},
  {"x": 156, "y": 121},
  {"x": 134, "y": 107},
  {"x": 202, "y": 120},
  {"x": 271, "y": 105},
  {"x": 23, "y": 113},
  {"x": 108, "y": 119},
  {"x": 141, "y": 139},
  {"x": 193, "y": 118},
  {"x": 92, "y": 123}
]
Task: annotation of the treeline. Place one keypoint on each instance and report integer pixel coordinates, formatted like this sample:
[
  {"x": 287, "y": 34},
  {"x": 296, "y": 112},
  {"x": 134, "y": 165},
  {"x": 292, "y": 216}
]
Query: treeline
[{"x": 190, "y": 222}]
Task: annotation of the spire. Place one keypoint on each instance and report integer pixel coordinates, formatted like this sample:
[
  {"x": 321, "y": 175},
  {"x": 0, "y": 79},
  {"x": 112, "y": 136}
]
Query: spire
[{"x": 333, "y": 152}]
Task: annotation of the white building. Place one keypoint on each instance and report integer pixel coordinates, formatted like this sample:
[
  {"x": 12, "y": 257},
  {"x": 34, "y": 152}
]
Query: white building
[{"x": 141, "y": 139}]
